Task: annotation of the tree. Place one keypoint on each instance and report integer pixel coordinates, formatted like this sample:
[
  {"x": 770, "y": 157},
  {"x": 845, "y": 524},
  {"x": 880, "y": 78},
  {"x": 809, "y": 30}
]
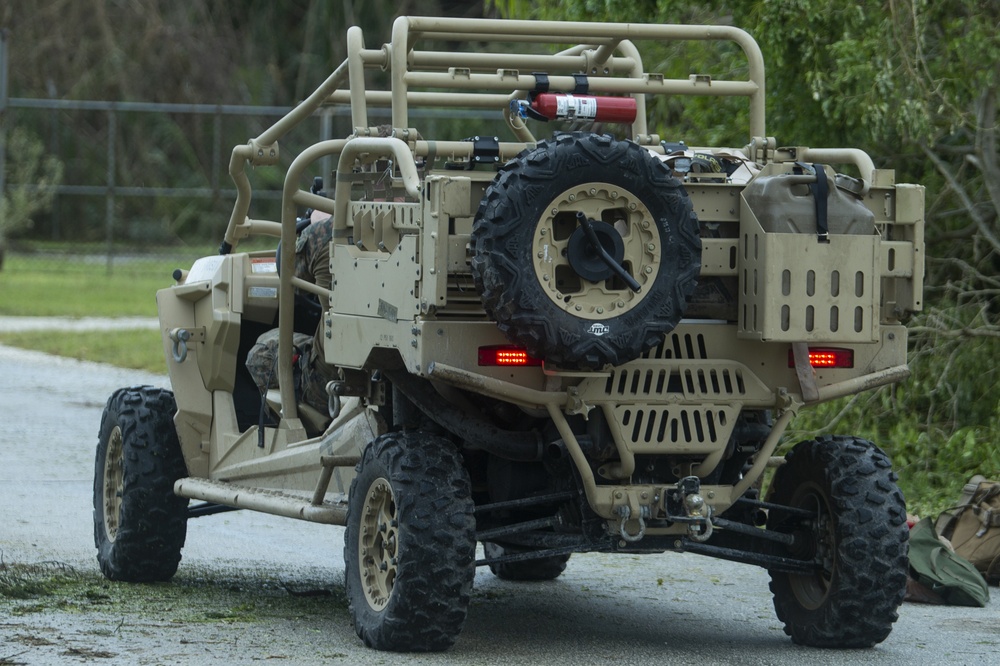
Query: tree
[
  {"x": 226, "y": 52},
  {"x": 26, "y": 162}
]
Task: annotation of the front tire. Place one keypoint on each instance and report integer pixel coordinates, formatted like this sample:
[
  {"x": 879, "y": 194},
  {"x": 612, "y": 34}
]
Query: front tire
[
  {"x": 139, "y": 523},
  {"x": 858, "y": 535},
  {"x": 409, "y": 547}
]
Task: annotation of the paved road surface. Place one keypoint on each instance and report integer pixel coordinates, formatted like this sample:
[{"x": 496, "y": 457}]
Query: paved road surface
[{"x": 663, "y": 609}]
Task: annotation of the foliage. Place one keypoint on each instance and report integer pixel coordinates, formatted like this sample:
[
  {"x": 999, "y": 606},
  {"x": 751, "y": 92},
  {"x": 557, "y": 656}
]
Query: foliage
[
  {"x": 916, "y": 83},
  {"x": 231, "y": 52},
  {"x": 26, "y": 162}
]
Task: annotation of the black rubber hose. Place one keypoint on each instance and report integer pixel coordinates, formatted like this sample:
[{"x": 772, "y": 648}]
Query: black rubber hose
[{"x": 524, "y": 446}]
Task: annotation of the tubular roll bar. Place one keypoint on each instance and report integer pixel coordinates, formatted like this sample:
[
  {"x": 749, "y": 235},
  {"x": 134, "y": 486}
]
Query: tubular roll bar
[{"x": 494, "y": 76}]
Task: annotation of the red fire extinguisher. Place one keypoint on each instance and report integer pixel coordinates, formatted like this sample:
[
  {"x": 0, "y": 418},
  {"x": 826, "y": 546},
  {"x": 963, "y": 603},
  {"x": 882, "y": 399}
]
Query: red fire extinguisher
[{"x": 559, "y": 106}]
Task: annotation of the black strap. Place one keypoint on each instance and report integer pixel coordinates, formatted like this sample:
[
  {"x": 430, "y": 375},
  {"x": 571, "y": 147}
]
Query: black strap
[
  {"x": 821, "y": 192},
  {"x": 582, "y": 84},
  {"x": 541, "y": 86}
]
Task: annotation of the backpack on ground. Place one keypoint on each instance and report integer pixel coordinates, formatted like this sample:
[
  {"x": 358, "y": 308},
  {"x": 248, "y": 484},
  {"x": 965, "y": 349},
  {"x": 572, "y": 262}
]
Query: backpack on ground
[{"x": 973, "y": 527}]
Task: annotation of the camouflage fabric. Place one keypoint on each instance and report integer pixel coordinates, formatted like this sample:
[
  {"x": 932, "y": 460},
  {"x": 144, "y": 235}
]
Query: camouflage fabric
[
  {"x": 312, "y": 263},
  {"x": 311, "y": 373},
  {"x": 312, "y": 253}
]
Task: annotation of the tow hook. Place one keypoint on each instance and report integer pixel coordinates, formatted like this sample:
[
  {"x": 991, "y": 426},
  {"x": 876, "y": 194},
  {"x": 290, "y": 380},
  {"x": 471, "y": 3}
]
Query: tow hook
[
  {"x": 697, "y": 514},
  {"x": 183, "y": 338},
  {"x": 333, "y": 404},
  {"x": 626, "y": 514},
  {"x": 180, "y": 336}
]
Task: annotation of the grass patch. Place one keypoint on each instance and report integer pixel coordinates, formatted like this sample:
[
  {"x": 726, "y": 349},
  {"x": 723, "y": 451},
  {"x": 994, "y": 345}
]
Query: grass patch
[
  {"x": 50, "y": 288},
  {"x": 29, "y": 581},
  {"x": 27, "y": 589},
  {"x": 139, "y": 349}
]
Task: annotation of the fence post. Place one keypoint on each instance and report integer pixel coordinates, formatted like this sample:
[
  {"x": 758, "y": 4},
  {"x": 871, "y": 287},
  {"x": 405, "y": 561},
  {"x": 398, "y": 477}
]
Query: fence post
[
  {"x": 216, "y": 153},
  {"x": 326, "y": 163},
  {"x": 109, "y": 197},
  {"x": 3, "y": 130}
]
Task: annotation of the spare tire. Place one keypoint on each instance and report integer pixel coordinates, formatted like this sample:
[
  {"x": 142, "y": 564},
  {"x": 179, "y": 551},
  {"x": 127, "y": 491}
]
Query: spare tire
[{"x": 536, "y": 267}]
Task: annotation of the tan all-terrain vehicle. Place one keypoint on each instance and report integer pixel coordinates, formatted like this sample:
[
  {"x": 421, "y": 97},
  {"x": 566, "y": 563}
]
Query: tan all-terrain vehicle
[{"x": 550, "y": 342}]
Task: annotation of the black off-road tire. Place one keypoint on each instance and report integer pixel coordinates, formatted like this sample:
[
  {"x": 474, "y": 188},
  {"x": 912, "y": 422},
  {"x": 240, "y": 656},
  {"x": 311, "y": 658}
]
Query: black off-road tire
[
  {"x": 860, "y": 536},
  {"x": 139, "y": 523},
  {"x": 523, "y": 250},
  {"x": 410, "y": 544},
  {"x": 543, "y": 568}
]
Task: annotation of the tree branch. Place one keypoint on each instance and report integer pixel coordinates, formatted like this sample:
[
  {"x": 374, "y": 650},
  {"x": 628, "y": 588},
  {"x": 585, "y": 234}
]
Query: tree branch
[
  {"x": 986, "y": 141},
  {"x": 945, "y": 170}
]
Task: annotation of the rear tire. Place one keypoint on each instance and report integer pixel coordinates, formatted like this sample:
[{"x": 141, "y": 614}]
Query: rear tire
[
  {"x": 859, "y": 537},
  {"x": 139, "y": 523},
  {"x": 409, "y": 547},
  {"x": 543, "y": 568}
]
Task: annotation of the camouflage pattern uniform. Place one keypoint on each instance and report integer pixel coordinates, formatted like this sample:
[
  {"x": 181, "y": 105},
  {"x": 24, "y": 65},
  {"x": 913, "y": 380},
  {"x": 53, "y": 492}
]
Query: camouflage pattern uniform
[{"x": 312, "y": 263}]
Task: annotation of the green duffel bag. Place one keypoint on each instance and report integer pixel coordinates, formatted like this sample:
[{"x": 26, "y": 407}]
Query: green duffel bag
[{"x": 939, "y": 569}]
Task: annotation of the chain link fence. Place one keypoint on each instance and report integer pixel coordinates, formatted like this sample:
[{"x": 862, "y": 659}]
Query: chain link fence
[
  {"x": 160, "y": 191},
  {"x": 148, "y": 182}
]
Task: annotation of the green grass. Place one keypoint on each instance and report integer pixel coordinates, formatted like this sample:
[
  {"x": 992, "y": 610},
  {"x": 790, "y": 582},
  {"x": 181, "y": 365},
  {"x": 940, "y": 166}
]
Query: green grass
[
  {"x": 139, "y": 349},
  {"x": 50, "y": 286},
  {"x": 197, "y": 597},
  {"x": 53, "y": 287}
]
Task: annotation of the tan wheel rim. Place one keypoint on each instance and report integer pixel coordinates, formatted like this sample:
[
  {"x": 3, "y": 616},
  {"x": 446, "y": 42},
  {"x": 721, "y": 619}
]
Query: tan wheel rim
[
  {"x": 378, "y": 544},
  {"x": 114, "y": 481},
  {"x": 549, "y": 247}
]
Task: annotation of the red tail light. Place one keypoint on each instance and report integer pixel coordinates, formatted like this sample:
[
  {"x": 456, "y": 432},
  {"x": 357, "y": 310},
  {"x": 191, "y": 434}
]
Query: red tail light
[
  {"x": 826, "y": 357},
  {"x": 506, "y": 355}
]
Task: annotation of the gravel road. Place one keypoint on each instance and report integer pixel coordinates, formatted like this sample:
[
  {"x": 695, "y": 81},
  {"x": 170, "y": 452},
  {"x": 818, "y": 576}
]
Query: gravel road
[{"x": 254, "y": 588}]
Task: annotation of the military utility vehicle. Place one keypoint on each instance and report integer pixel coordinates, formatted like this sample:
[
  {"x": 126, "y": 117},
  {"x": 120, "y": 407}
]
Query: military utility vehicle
[{"x": 575, "y": 333}]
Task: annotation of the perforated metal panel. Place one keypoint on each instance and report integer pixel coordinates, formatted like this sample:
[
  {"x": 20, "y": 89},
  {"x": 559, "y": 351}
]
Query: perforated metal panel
[
  {"x": 675, "y": 428},
  {"x": 795, "y": 288}
]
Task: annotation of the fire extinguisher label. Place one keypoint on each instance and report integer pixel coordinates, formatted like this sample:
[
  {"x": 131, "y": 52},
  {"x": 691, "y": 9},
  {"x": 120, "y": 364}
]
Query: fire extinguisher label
[{"x": 571, "y": 107}]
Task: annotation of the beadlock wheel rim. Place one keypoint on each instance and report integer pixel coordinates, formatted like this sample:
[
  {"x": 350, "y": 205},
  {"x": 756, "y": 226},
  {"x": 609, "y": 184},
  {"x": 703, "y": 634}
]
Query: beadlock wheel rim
[
  {"x": 378, "y": 544},
  {"x": 550, "y": 247},
  {"x": 114, "y": 481}
]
